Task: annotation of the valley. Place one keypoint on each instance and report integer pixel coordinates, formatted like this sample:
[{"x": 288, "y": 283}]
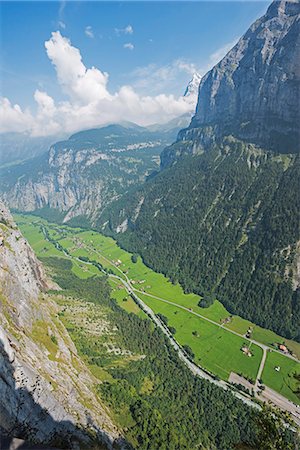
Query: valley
[
  {"x": 150, "y": 226},
  {"x": 214, "y": 337}
]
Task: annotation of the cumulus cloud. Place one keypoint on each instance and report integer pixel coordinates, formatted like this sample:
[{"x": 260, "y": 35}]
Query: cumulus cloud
[
  {"x": 89, "y": 32},
  {"x": 89, "y": 102},
  {"x": 13, "y": 118},
  {"x": 129, "y": 46},
  {"x": 81, "y": 84},
  {"x": 156, "y": 78}
]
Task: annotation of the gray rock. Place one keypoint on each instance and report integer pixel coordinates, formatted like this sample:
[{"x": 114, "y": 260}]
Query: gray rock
[
  {"x": 253, "y": 93},
  {"x": 42, "y": 398}
]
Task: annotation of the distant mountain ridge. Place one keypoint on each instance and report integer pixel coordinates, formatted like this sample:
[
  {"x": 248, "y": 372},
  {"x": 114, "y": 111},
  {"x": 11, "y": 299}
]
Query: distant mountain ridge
[{"x": 82, "y": 175}]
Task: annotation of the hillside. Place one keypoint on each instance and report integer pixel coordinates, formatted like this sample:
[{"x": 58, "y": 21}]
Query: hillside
[
  {"x": 222, "y": 216},
  {"x": 253, "y": 92},
  {"x": 84, "y": 174},
  {"x": 39, "y": 363},
  {"x": 71, "y": 358}
]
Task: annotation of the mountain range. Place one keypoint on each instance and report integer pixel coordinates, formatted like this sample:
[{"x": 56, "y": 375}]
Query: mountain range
[
  {"x": 220, "y": 214},
  {"x": 82, "y": 175}
]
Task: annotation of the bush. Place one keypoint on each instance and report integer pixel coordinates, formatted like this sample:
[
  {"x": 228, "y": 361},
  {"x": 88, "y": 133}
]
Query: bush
[{"x": 134, "y": 258}]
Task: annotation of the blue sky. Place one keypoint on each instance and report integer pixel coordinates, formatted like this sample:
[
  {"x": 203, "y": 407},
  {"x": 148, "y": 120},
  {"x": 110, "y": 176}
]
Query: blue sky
[{"x": 152, "y": 46}]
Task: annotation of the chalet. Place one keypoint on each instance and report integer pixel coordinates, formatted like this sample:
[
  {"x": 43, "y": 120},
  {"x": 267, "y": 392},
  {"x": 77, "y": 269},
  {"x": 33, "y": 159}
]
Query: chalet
[
  {"x": 246, "y": 351},
  {"x": 283, "y": 348},
  {"x": 118, "y": 262}
]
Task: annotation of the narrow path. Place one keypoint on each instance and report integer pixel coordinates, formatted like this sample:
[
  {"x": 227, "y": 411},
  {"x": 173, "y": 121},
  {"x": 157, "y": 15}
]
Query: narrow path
[
  {"x": 195, "y": 369},
  {"x": 252, "y": 341},
  {"x": 260, "y": 370}
]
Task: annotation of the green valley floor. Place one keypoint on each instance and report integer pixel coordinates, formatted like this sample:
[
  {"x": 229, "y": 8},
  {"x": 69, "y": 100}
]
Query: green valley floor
[{"x": 219, "y": 343}]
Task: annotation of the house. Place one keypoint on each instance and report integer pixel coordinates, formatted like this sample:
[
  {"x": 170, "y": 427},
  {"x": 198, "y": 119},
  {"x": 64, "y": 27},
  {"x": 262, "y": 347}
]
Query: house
[
  {"x": 283, "y": 348},
  {"x": 246, "y": 351}
]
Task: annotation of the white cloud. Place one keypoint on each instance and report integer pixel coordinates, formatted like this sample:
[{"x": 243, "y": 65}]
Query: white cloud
[
  {"x": 81, "y": 84},
  {"x": 61, "y": 9},
  {"x": 156, "y": 78},
  {"x": 61, "y": 24},
  {"x": 126, "y": 30},
  {"x": 129, "y": 45},
  {"x": 89, "y": 103},
  {"x": 89, "y": 32},
  {"x": 13, "y": 118},
  {"x": 221, "y": 52}
]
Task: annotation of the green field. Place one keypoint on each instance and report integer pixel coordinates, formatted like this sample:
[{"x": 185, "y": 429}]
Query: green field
[
  {"x": 216, "y": 349},
  {"x": 283, "y": 381}
]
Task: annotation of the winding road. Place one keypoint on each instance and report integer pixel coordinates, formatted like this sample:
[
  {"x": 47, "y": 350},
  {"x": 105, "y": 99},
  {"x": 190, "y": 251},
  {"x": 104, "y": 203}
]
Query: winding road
[{"x": 195, "y": 369}]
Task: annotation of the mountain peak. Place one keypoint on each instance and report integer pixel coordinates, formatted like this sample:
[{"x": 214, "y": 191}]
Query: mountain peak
[
  {"x": 253, "y": 92},
  {"x": 193, "y": 86},
  {"x": 283, "y": 7}
]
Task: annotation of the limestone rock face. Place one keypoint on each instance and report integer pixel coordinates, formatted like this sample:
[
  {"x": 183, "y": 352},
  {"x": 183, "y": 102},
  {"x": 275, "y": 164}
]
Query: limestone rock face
[
  {"x": 84, "y": 174},
  {"x": 253, "y": 93},
  {"x": 44, "y": 388}
]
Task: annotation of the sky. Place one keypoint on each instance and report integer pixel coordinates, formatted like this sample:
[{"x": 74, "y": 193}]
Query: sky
[{"x": 67, "y": 66}]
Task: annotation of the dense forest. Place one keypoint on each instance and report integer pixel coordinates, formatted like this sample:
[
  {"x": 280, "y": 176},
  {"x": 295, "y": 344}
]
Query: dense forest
[
  {"x": 224, "y": 224},
  {"x": 165, "y": 407}
]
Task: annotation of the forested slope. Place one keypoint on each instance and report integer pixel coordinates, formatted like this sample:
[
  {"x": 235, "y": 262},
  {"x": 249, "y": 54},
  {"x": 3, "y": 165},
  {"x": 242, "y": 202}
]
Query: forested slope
[
  {"x": 225, "y": 224},
  {"x": 222, "y": 217}
]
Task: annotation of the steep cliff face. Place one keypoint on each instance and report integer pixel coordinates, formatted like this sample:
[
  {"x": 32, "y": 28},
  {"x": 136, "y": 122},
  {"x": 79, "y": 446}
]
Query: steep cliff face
[
  {"x": 83, "y": 175},
  {"x": 222, "y": 216},
  {"x": 253, "y": 92},
  {"x": 45, "y": 389}
]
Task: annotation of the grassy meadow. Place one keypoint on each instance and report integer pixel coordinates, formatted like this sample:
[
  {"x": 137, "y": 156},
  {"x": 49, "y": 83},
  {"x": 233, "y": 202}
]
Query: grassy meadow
[{"x": 215, "y": 348}]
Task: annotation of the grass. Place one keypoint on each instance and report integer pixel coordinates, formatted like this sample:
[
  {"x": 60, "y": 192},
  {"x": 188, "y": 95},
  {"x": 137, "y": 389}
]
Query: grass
[
  {"x": 282, "y": 381},
  {"x": 40, "y": 334},
  {"x": 129, "y": 305},
  {"x": 215, "y": 349}
]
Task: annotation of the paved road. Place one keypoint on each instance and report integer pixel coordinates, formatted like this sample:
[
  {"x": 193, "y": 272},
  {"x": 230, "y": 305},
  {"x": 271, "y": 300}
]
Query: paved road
[
  {"x": 253, "y": 341},
  {"x": 268, "y": 395},
  {"x": 276, "y": 398}
]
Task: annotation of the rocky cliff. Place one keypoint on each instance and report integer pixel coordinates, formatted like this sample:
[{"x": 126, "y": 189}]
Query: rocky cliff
[
  {"x": 46, "y": 391},
  {"x": 222, "y": 216},
  {"x": 253, "y": 92},
  {"x": 84, "y": 174}
]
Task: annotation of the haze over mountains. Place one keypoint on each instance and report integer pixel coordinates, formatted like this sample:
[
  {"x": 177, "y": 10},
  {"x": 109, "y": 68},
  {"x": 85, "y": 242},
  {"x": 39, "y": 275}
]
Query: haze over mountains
[
  {"x": 204, "y": 221},
  {"x": 84, "y": 174},
  {"x": 211, "y": 201}
]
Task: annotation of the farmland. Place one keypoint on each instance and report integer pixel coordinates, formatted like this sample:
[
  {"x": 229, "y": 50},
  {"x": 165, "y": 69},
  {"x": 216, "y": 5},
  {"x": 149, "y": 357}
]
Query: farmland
[{"x": 214, "y": 338}]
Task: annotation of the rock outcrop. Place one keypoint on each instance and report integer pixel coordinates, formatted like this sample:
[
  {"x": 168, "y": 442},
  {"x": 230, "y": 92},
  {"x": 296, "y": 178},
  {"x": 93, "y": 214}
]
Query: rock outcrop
[
  {"x": 253, "y": 93},
  {"x": 84, "y": 174},
  {"x": 46, "y": 391}
]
